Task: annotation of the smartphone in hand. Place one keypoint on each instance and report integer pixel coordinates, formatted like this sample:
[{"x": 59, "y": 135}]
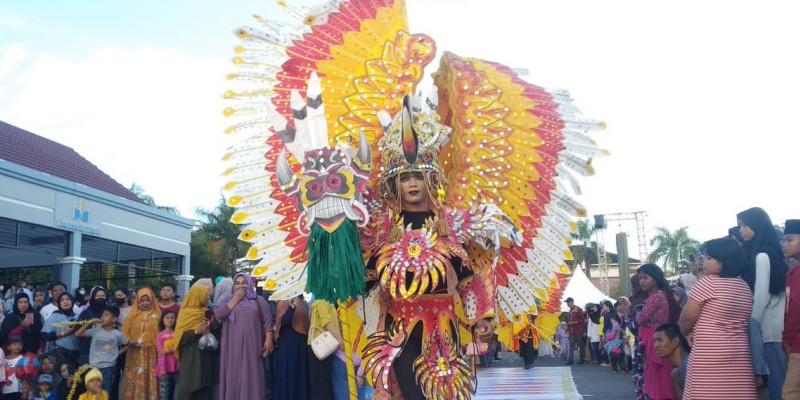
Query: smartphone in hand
[
  {"x": 29, "y": 317},
  {"x": 209, "y": 314}
]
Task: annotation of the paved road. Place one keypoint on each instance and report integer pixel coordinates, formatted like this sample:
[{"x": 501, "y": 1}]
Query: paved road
[{"x": 591, "y": 381}]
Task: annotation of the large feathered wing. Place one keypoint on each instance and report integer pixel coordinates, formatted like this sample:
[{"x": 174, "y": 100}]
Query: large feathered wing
[
  {"x": 367, "y": 62},
  {"x": 514, "y": 145}
]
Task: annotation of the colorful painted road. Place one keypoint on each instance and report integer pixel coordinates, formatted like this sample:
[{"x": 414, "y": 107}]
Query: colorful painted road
[{"x": 553, "y": 383}]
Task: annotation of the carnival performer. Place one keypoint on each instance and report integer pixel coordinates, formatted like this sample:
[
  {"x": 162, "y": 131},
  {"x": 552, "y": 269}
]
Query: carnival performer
[
  {"x": 456, "y": 206},
  {"x": 418, "y": 250}
]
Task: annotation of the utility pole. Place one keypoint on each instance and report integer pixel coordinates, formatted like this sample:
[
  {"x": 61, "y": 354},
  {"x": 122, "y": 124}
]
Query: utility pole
[{"x": 622, "y": 263}]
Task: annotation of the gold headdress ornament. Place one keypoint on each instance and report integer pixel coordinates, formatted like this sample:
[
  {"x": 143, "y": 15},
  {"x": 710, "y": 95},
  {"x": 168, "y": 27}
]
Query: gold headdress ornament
[{"x": 411, "y": 142}]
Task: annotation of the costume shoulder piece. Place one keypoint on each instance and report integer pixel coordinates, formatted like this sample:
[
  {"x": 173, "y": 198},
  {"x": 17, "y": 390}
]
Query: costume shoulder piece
[{"x": 366, "y": 62}]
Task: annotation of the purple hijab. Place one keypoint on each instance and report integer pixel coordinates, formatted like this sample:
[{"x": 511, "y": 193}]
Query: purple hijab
[{"x": 249, "y": 299}]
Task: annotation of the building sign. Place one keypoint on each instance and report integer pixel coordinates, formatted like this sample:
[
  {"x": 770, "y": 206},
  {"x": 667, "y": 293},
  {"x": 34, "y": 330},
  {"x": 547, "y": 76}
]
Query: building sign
[{"x": 77, "y": 214}]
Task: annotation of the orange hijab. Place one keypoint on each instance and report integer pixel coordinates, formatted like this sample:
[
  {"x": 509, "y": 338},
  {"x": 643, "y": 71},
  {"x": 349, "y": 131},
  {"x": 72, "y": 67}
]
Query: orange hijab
[
  {"x": 192, "y": 312},
  {"x": 142, "y": 324}
]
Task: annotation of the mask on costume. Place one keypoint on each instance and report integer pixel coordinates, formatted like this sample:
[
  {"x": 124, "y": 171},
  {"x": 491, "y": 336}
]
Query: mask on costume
[{"x": 328, "y": 194}]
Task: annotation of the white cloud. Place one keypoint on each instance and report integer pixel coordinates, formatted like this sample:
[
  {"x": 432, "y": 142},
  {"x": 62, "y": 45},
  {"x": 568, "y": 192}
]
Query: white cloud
[
  {"x": 147, "y": 115},
  {"x": 10, "y": 59},
  {"x": 11, "y": 21},
  {"x": 698, "y": 98}
]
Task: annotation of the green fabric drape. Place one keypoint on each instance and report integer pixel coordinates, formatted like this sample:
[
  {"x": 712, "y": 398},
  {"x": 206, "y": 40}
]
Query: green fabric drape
[{"x": 335, "y": 266}]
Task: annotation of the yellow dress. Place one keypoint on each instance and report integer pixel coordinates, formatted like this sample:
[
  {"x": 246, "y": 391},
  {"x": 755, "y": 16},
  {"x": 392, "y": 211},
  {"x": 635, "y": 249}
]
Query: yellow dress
[{"x": 141, "y": 326}]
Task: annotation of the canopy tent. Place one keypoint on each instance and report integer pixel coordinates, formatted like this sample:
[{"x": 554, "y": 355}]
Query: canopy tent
[{"x": 582, "y": 290}]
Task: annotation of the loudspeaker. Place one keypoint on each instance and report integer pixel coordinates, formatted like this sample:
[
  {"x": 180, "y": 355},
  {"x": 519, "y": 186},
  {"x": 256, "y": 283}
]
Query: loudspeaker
[{"x": 599, "y": 222}]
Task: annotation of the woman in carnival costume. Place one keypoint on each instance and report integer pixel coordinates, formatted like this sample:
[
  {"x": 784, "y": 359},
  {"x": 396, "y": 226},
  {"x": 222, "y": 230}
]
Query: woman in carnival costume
[{"x": 454, "y": 202}]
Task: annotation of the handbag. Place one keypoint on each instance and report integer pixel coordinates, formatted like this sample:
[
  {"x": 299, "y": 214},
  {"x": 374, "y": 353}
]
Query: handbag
[
  {"x": 324, "y": 344},
  {"x": 208, "y": 342}
]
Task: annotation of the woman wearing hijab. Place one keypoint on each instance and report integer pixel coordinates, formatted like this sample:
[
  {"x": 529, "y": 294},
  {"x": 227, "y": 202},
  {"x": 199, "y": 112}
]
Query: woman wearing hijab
[
  {"x": 679, "y": 295},
  {"x": 766, "y": 276},
  {"x": 39, "y": 299},
  {"x": 593, "y": 332},
  {"x": 141, "y": 330},
  {"x": 223, "y": 288},
  {"x": 24, "y": 322},
  {"x": 197, "y": 366},
  {"x": 98, "y": 300},
  {"x": 245, "y": 321},
  {"x": 659, "y": 308},
  {"x": 66, "y": 344}
]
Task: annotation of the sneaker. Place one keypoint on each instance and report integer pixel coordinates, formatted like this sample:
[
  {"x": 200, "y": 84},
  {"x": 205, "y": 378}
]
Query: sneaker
[{"x": 605, "y": 365}]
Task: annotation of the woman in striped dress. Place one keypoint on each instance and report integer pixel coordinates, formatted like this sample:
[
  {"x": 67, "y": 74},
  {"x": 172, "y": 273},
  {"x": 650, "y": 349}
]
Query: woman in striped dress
[{"x": 713, "y": 321}]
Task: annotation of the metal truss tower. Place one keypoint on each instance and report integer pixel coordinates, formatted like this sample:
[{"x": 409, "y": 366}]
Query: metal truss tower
[{"x": 641, "y": 235}]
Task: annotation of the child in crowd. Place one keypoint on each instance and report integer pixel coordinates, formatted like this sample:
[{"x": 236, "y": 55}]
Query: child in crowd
[
  {"x": 791, "y": 327},
  {"x": 167, "y": 367},
  {"x": 45, "y": 385},
  {"x": 613, "y": 345},
  {"x": 167, "y": 299},
  {"x": 12, "y": 389},
  {"x": 106, "y": 342},
  {"x": 67, "y": 372},
  {"x": 94, "y": 386},
  {"x": 562, "y": 336}
]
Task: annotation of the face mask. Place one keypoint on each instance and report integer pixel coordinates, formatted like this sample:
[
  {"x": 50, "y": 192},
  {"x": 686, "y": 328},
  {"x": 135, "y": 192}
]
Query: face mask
[
  {"x": 99, "y": 302},
  {"x": 65, "y": 375},
  {"x": 82, "y": 292},
  {"x": 117, "y": 301}
]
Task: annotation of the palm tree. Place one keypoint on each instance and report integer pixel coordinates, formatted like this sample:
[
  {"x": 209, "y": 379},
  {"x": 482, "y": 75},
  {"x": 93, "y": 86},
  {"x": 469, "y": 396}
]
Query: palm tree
[
  {"x": 580, "y": 251},
  {"x": 221, "y": 236},
  {"x": 147, "y": 199},
  {"x": 672, "y": 248}
]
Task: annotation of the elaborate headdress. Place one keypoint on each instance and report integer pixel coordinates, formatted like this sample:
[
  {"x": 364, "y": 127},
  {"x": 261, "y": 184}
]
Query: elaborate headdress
[{"x": 411, "y": 142}]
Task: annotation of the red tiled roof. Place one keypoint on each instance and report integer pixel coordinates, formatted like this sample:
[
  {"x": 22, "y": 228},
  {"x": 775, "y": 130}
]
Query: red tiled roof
[{"x": 33, "y": 151}]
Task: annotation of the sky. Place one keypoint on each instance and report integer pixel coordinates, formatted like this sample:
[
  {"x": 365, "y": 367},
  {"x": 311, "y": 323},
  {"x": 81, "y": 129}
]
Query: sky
[{"x": 698, "y": 96}]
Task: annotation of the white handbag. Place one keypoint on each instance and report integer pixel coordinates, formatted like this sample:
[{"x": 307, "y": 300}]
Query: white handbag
[{"x": 324, "y": 344}]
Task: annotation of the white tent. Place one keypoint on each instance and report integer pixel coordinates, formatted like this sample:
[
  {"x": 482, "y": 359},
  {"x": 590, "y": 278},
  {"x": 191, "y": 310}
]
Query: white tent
[{"x": 582, "y": 290}]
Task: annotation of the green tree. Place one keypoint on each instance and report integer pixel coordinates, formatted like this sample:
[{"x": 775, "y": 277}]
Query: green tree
[
  {"x": 219, "y": 237},
  {"x": 580, "y": 250},
  {"x": 147, "y": 199},
  {"x": 673, "y": 248},
  {"x": 204, "y": 262}
]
